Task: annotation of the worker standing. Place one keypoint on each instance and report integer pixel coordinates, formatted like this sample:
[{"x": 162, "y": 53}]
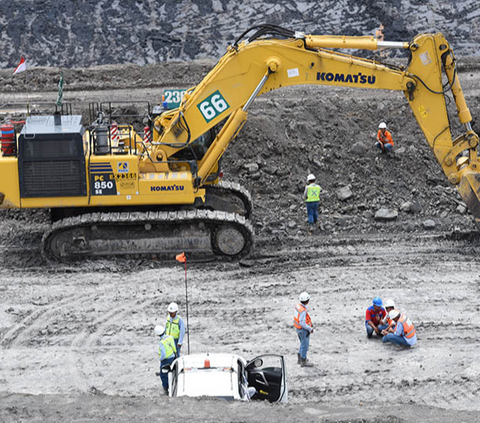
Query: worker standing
[
  {"x": 373, "y": 318},
  {"x": 167, "y": 352},
  {"x": 312, "y": 198},
  {"x": 175, "y": 326},
  {"x": 304, "y": 327},
  {"x": 404, "y": 332},
  {"x": 384, "y": 138}
]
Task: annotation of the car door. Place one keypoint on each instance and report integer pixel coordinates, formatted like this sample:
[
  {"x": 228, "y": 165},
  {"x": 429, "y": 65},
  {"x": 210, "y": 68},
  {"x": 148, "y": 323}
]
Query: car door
[{"x": 267, "y": 374}]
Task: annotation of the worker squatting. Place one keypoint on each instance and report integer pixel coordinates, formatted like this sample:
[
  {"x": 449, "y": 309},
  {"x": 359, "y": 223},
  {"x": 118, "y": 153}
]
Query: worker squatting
[{"x": 388, "y": 323}]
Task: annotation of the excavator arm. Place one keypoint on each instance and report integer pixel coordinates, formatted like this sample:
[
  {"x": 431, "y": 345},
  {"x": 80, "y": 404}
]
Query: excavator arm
[{"x": 259, "y": 65}]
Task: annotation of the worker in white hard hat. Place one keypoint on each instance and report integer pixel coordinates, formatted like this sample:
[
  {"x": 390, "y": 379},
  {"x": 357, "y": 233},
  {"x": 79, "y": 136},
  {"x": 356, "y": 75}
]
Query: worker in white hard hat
[
  {"x": 384, "y": 138},
  {"x": 312, "y": 199},
  {"x": 175, "y": 326},
  {"x": 167, "y": 352},
  {"x": 389, "y": 306},
  {"x": 403, "y": 333},
  {"x": 304, "y": 327}
]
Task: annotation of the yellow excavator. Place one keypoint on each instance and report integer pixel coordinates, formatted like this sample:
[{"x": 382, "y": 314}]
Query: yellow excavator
[{"x": 114, "y": 191}]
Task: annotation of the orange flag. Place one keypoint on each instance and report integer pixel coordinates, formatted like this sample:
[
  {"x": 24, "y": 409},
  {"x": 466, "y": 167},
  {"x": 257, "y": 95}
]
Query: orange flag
[{"x": 182, "y": 258}]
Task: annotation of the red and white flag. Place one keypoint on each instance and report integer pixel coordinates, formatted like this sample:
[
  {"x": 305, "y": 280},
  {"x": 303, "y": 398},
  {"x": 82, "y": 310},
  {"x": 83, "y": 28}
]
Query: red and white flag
[{"x": 22, "y": 66}]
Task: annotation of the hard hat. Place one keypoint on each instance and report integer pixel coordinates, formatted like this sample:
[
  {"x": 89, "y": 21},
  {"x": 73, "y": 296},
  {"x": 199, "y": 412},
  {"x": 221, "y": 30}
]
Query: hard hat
[
  {"x": 389, "y": 303},
  {"x": 159, "y": 330},
  {"x": 394, "y": 314},
  {"x": 377, "y": 301},
  {"x": 304, "y": 297},
  {"x": 382, "y": 125},
  {"x": 311, "y": 177},
  {"x": 172, "y": 308}
]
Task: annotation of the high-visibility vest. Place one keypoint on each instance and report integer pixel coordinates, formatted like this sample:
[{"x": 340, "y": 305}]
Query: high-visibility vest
[
  {"x": 299, "y": 309},
  {"x": 169, "y": 345},
  {"x": 313, "y": 193},
  {"x": 408, "y": 328},
  {"x": 385, "y": 138},
  {"x": 172, "y": 328}
]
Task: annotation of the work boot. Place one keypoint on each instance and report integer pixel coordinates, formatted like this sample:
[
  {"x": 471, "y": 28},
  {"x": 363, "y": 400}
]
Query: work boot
[
  {"x": 299, "y": 361},
  {"x": 306, "y": 363}
]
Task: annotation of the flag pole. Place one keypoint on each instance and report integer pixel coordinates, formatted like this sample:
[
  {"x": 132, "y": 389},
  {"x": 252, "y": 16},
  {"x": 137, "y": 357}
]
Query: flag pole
[
  {"x": 186, "y": 300},
  {"x": 182, "y": 258}
]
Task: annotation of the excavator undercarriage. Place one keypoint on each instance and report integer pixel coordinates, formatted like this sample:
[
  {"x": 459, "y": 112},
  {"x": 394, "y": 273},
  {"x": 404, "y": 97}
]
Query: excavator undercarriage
[{"x": 221, "y": 226}]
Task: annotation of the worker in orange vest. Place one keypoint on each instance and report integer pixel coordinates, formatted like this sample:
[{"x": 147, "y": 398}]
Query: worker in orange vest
[
  {"x": 304, "y": 327},
  {"x": 384, "y": 138},
  {"x": 404, "y": 332}
]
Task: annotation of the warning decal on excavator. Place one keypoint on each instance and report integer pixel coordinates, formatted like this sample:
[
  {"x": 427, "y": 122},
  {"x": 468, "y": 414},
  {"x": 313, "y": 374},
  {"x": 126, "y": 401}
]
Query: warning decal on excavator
[
  {"x": 292, "y": 73},
  {"x": 423, "y": 112},
  {"x": 212, "y": 106},
  {"x": 102, "y": 179},
  {"x": 425, "y": 58}
]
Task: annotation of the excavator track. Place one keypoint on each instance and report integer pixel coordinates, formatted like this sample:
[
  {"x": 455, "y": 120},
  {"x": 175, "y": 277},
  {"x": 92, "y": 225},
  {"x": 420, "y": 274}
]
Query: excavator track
[
  {"x": 149, "y": 234},
  {"x": 230, "y": 197}
]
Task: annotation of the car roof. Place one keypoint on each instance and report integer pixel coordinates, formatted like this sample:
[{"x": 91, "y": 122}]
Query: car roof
[{"x": 215, "y": 360}]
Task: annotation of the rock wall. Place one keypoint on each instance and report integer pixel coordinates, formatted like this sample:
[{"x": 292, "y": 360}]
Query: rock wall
[{"x": 85, "y": 33}]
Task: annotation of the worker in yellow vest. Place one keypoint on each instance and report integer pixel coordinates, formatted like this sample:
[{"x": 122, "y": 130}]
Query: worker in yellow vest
[
  {"x": 167, "y": 352},
  {"x": 312, "y": 198},
  {"x": 175, "y": 326},
  {"x": 304, "y": 327}
]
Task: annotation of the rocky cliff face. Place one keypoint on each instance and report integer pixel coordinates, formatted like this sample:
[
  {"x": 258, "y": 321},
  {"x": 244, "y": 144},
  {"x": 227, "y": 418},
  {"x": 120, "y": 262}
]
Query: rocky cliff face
[{"x": 76, "y": 33}]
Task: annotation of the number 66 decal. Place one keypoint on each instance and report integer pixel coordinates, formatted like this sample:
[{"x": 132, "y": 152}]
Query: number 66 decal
[{"x": 213, "y": 106}]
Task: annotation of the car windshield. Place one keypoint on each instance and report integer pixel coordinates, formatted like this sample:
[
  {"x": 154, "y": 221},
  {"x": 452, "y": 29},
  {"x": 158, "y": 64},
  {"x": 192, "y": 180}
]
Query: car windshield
[{"x": 211, "y": 382}]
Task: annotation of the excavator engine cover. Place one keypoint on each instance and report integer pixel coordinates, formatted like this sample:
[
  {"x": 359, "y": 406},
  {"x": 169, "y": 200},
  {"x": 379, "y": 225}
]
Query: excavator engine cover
[{"x": 51, "y": 159}]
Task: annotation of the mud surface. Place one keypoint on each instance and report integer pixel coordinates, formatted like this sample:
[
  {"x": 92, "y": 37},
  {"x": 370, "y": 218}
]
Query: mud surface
[{"x": 77, "y": 341}]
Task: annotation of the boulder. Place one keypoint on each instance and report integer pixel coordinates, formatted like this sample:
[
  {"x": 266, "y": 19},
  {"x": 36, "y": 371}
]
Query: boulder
[
  {"x": 406, "y": 207},
  {"x": 429, "y": 224},
  {"x": 386, "y": 215},
  {"x": 415, "y": 207},
  {"x": 344, "y": 193},
  {"x": 358, "y": 148},
  {"x": 251, "y": 167}
]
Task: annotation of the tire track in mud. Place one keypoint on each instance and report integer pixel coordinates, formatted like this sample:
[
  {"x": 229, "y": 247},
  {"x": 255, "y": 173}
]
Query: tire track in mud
[
  {"x": 38, "y": 318},
  {"x": 362, "y": 251},
  {"x": 86, "y": 340},
  {"x": 420, "y": 390}
]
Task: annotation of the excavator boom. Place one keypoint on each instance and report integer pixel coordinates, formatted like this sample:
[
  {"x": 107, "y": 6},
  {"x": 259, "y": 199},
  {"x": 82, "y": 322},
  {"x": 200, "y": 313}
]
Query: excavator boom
[{"x": 258, "y": 66}]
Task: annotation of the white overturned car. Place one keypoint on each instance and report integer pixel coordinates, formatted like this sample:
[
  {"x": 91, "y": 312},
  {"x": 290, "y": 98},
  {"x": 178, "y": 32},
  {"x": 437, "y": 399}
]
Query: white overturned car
[{"x": 229, "y": 377}]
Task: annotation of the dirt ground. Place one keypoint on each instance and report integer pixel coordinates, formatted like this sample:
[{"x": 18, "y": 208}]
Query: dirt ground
[{"x": 77, "y": 340}]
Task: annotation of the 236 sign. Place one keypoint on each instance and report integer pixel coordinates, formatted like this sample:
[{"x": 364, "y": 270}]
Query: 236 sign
[{"x": 213, "y": 106}]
